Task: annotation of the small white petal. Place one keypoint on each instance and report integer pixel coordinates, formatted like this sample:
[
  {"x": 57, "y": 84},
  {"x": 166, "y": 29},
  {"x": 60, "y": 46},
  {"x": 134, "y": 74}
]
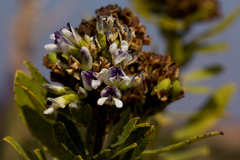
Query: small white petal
[
  {"x": 69, "y": 35},
  {"x": 101, "y": 74},
  {"x": 101, "y": 100},
  {"x": 49, "y": 111},
  {"x": 113, "y": 48},
  {"x": 52, "y": 36},
  {"x": 52, "y": 48},
  {"x": 118, "y": 103},
  {"x": 95, "y": 84},
  {"x": 124, "y": 46}
]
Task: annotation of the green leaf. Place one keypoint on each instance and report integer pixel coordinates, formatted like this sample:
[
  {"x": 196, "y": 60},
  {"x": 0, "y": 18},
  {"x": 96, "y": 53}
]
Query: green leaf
[
  {"x": 181, "y": 144},
  {"x": 40, "y": 129},
  {"x": 142, "y": 134},
  {"x": 63, "y": 139},
  {"x": 90, "y": 136},
  {"x": 40, "y": 154},
  {"x": 24, "y": 80},
  {"x": 27, "y": 155},
  {"x": 198, "y": 89},
  {"x": 122, "y": 122},
  {"x": 209, "y": 114},
  {"x": 82, "y": 116},
  {"x": 73, "y": 134},
  {"x": 226, "y": 22},
  {"x": 202, "y": 74},
  {"x": 189, "y": 153},
  {"x": 37, "y": 104},
  {"x": 37, "y": 77},
  {"x": 212, "y": 48},
  {"x": 103, "y": 155},
  {"x": 78, "y": 158},
  {"x": 127, "y": 129},
  {"x": 125, "y": 150}
]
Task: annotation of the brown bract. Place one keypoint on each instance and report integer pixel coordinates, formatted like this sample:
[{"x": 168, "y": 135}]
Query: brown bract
[
  {"x": 100, "y": 64},
  {"x": 156, "y": 68}
]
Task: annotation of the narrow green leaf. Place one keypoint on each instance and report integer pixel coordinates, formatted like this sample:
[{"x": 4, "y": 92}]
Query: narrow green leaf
[
  {"x": 37, "y": 77},
  {"x": 27, "y": 155},
  {"x": 82, "y": 116},
  {"x": 182, "y": 144},
  {"x": 125, "y": 116},
  {"x": 202, "y": 74},
  {"x": 126, "y": 131},
  {"x": 40, "y": 129},
  {"x": 125, "y": 150},
  {"x": 212, "y": 48},
  {"x": 37, "y": 104},
  {"x": 78, "y": 158},
  {"x": 226, "y": 22},
  {"x": 175, "y": 47},
  {"x": 90, "y": 136},
  {"x": 198, "y": 89},
  {"x": 103, "y": 155},
  {"x": 63, "y": 139},
  {"x": 209, "y": 114},
  {"x": 40, "y": 154},
  {"x": 189, "y": 153},
  {"x": 73, "y": 134},
  {"x": 143, "y": 135}
]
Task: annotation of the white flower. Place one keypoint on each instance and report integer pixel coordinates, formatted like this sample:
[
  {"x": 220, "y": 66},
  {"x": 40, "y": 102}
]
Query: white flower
[
  {"x": 115, "y": 76},
  {"x": 120, "y": 55},
  {"x": 111, "y": 96}
]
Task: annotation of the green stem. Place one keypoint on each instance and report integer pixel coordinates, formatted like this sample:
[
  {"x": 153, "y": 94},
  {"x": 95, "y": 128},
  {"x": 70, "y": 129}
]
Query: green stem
[{"x": 181, "y": 144}]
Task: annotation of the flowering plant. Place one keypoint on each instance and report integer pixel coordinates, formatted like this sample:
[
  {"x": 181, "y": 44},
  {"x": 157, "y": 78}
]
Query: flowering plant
[{"x": 110, "y": 87}]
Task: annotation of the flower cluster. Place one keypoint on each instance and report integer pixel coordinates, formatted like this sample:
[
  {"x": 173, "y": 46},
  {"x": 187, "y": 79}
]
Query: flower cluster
[
  {"x": 102, "y": 62},
  {"x": 76, "y": 56}
]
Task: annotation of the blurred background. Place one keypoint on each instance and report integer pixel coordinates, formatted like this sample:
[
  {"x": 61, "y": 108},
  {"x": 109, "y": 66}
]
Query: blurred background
[{"x": 25, "y": 29}]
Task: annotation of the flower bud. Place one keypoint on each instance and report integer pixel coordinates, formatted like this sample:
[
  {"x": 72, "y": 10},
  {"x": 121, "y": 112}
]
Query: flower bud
[
  {"x": 59, "y": 90},
  {"x": 176, "y": 89},
  {"x": 62, "y": 101},
  {"x": 162, "y": 85},
  {"x": 82, "y": 93}
]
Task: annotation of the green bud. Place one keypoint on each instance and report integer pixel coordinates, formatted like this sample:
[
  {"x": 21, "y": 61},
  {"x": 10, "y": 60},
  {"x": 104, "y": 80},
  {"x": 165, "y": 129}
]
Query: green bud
[
  {"x": 59, "y": 90},
  {"x": 176, "y": 89},
  {"x": 163, "y": 84},
  {"x": 53, "y": 57}
]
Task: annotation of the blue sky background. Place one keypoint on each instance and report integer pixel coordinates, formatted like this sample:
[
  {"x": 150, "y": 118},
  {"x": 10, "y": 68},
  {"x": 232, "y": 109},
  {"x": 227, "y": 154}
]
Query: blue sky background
[{"x": 53, "y": 18}]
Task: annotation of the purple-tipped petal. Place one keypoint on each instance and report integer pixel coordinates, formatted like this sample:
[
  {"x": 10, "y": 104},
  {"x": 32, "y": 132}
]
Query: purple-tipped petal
[
  {"x": 86, "y": 59},
  {"x": 87, "y": 80},
  {"x": 122, "y": 57},
  {"x": 90, "y": 80}
]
